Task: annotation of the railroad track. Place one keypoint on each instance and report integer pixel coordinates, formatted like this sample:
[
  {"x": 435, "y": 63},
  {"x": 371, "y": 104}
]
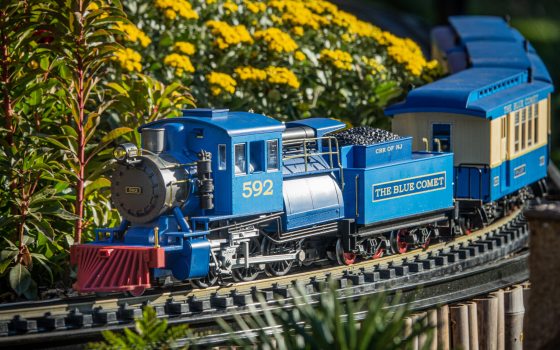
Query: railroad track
[{"x": 485, "y": 260}]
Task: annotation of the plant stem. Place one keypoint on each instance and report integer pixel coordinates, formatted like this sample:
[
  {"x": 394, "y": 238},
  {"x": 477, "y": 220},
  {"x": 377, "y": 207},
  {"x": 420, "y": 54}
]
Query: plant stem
[
  {"x": 7, "y": 101},
  {"x": 81, "y": 139}
]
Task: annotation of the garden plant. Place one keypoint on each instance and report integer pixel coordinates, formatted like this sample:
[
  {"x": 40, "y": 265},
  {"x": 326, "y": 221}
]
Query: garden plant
[{"x": 78, "y": 76}]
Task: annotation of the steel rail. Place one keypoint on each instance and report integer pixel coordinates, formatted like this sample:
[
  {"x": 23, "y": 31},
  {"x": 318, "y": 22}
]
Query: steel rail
[{"x": 79, "y": 320}]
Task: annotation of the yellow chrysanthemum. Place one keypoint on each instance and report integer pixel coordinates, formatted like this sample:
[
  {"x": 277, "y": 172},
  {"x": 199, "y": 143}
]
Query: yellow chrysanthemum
[
  {"x": 300, "y": 56},
  {"x": 282, "y": 76},
  {"x": 338, "y": 58},
  {"x": 172, "y": 8},
  {"x": 250, "y": 73},
  {"x": 184, "y": 47},
  {"x": 227, "y": 35},
  {"x": 181, "y": 63},
  {"x": 230, "y": 6},
  {"x": 277, "y": 40},
  {"x": 221, "y": 81},
  {"x": 134, "y": 34},
  {"x": 93, "y": 7},
  {"x": 170, "y": 14},
  {"x": 254, "y": 6},
  {"x": 128, "y": 59},
  {"x": 298, "y": 30},
  {"x": 297, "y": 13}
]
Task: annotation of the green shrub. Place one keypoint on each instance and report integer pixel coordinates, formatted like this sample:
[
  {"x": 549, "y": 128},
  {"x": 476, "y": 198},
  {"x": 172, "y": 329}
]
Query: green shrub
[
  {"x": 149, "y": 332},
  {"x": 287, "y": 59},
  {"x": 327, "y": 323}
]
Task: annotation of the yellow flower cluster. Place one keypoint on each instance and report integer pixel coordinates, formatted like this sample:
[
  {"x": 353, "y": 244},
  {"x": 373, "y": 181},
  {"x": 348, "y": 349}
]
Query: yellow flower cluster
[
  {"x": 230, "y": 6},
  {"x": 300, "y": 56},
  {"x": 172, "y": 8},
  {"x": 298, "y": 13},
  {"x": 277, "y": 40},
  {"x": 229, "y": 35},
  {"x": 221, "y": 82},
  {"x": 282, "y": 76},
  {"x": 250, "y": 73},
  {"x": 274, "y": 75},
  {"x": 298, "y": 30},
  {"x": 94, "y": 7},
  {"x": 405, "y": 52},
  {"x": 184, "y": 47},
  {"x": 181, "y": 63},
  {"x": 374, "y": 65},
  {"x": 338, "y": 58},
  {"x": 128, "y": 59},
  {"x": 133, "y": 34},
  {"x": 254, "y": 6}
]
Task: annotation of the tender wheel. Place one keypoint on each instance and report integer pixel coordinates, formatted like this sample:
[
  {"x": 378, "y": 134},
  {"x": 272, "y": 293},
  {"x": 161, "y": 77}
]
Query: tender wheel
[
  {"x": 342, "y": 257},
  {"x": 137, "y": 291},
  {"x": 278, "y": 268},
  {"x": 207, "y": 281},
  {"x": 248, "y": 274},
  {"x": 398, "y": 241}
]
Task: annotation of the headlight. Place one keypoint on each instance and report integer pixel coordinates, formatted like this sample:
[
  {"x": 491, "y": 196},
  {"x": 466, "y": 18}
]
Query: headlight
[{"x": 124, "y": 151}]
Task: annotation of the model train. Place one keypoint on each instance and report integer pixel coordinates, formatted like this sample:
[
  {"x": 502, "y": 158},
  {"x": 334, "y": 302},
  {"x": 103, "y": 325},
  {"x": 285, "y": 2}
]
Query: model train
[{"x": 217, "y": 194}]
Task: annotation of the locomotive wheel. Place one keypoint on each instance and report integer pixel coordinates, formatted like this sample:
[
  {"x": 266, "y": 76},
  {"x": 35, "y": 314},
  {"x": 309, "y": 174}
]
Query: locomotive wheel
[
  {"x": 243, "y": 274},
  {"x": 207, "y": 281},
  {"x": 398, "y": 241},
  {"x": 342, "y": 257},
  {"x": 378, "y": 253},
  {"x": 278, "y": 268}
]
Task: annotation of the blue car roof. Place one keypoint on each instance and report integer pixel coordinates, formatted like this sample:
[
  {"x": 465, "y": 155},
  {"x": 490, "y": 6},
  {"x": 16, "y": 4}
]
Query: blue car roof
[
  {"x": 497, "y": 54},
  {"x": 482, "y": 92},
  {"x": 233, "y": 123},
  {"x": 471, "y": 28}
]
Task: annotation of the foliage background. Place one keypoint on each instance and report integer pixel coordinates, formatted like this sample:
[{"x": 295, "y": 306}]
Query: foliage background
[
  {"x": 79, "y": 76},
  {"x": 285, "y": 58}
]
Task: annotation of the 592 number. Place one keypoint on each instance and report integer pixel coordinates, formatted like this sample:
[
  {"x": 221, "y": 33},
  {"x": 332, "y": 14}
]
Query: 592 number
[{"x": 257, "y": 188}]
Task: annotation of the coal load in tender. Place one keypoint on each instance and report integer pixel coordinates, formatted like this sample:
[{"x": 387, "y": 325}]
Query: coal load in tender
[{"x": 364, "y": 135}]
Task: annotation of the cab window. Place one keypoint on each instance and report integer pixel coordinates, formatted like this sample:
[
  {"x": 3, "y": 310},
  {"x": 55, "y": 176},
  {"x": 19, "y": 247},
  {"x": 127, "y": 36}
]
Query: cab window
[
  {"x": 240, "y": 159},
  {"x": 442, "y": 132},
  {"x": 221, "y": 157},
  {"x": 272, "y": 157},
  {"x": 256, "y": 150}
]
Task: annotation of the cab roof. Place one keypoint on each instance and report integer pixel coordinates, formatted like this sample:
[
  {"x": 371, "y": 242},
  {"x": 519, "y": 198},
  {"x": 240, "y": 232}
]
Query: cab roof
[
  {"x": 484, "y": 92},
  {"x": 233, "y": 123}
]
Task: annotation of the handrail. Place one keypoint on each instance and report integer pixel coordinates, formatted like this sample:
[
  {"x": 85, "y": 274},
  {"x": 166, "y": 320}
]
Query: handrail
[{"x": 318, "y": 141}]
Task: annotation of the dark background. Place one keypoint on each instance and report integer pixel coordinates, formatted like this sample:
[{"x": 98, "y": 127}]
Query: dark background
[{"x": 537, "y": 20}]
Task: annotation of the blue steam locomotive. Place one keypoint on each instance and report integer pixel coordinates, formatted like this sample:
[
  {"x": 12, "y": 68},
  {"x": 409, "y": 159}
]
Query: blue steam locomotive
[{"x": 217, "y": 194}]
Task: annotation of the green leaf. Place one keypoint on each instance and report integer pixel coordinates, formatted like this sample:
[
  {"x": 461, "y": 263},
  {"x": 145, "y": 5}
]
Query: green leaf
[
  {"x": 116, "y": 133},
  {"x": 31, "y": 292},
  {"x": 4, "y": 265},
  {"x": 99, "y": 183},
  {"x": 118, "y": 88},
  {"x": 20, "y": 279},
  {"x": 35, "y": 97}
]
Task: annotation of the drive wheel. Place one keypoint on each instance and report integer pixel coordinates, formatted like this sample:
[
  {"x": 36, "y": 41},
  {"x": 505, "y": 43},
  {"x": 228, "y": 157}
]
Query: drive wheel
[
  {"x": 342, "y": 257},
  {"x": 243, "y": 274},
  {"x": 399, "y": 244},
  {"x": 278, "y": 268},
  {"x": 207, "y": 281}
]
